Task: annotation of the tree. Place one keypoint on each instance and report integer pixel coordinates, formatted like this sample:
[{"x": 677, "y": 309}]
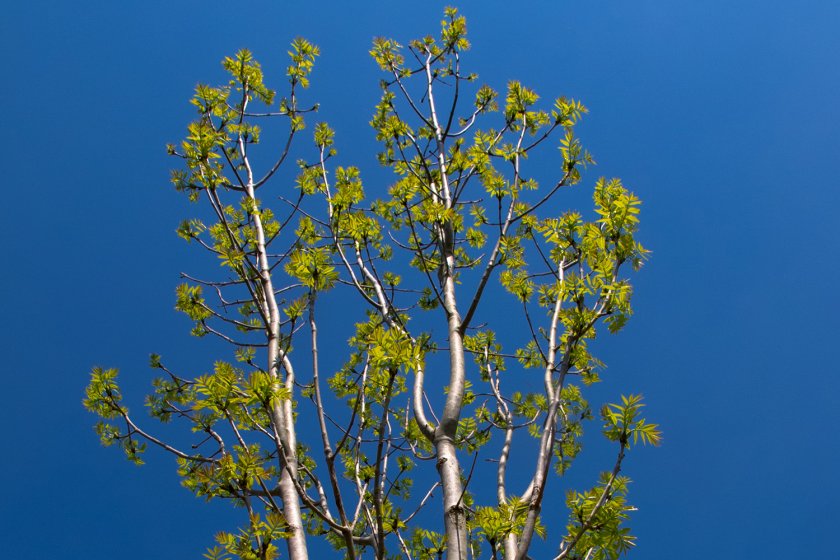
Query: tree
[{"x": 401, "y": 425}]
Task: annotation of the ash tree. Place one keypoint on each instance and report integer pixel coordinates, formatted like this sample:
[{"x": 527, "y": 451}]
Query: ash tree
[{"x": 406, "y": 450}]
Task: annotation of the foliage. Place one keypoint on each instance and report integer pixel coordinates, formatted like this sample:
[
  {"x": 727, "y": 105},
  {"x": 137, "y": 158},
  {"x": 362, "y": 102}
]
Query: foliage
[{"x": 463, "y": 208}]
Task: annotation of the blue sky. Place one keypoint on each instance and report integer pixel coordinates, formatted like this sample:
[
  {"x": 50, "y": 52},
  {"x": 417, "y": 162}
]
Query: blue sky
[{"x": 722, "y": 116}]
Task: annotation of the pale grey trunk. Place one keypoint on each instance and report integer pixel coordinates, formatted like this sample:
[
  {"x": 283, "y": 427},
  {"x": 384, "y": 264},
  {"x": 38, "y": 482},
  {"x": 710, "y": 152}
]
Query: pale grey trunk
[
  {"x": 281, "y": 412},
  {"x": 538, "y": 482},
  {"x": 455, "y": 521},
  {"x": 552, "y": 392},
  {"x": 447, "y": 459},
  {"x": 282, "y": 419}
]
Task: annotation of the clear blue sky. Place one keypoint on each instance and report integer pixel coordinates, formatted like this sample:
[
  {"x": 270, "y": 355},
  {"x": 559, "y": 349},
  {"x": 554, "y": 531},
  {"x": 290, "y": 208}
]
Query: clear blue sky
[{"x": 722, "y": 116}]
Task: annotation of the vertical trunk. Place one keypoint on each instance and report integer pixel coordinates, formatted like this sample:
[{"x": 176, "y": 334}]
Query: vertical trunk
[
  {"x": 455, "y": 521},
  {"x": 552, "y": 391},
  {"x": 447, "y": 459},
  {"x": 538, "y": 482},
  {"x": 282, "y": 416},
  {"x": 281, "y": 413}
]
